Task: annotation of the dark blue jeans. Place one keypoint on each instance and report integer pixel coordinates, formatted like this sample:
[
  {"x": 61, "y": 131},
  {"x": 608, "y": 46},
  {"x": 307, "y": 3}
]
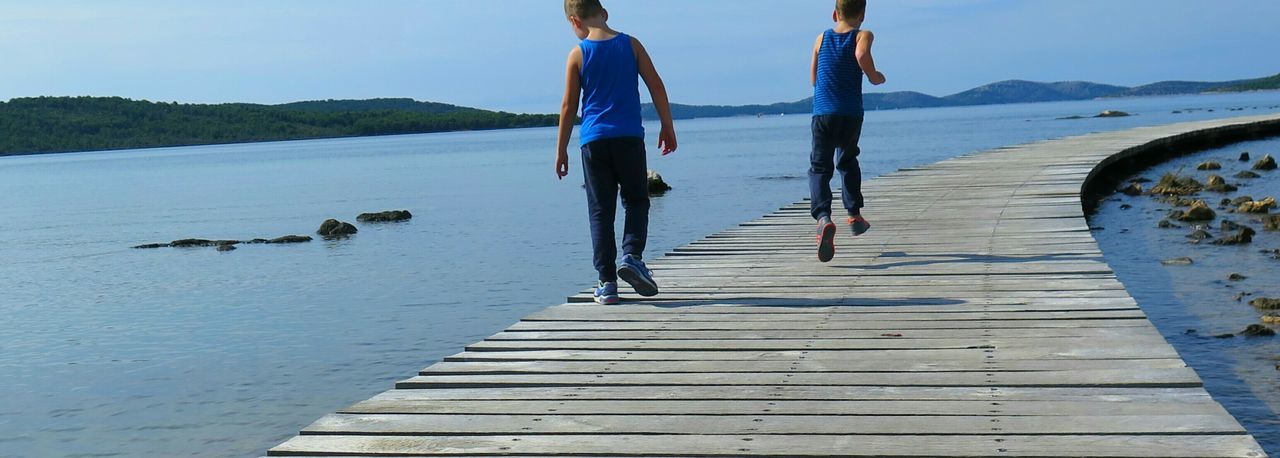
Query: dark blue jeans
[
  {"x": 832, "y": 134},
  {"x": 610, "y": 165}
]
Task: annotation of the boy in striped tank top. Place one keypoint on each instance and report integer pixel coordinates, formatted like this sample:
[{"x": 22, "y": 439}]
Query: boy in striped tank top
[
  {"x": 604, "y": 71},
  {"x": 841, "y": 55}
]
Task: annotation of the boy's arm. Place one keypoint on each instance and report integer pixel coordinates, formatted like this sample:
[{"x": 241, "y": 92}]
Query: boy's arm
[
  {"x": 813, "y": 64},
  {"x": 568, "y": 109},
  {"x": 666, "y": 136},
  {"x": 863, "y": 54}
]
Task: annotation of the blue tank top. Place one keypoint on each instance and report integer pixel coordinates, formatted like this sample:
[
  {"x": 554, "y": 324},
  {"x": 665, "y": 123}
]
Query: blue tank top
[
  {"x": 839, "y": 87},
  {"x": 610, "y": 90}
]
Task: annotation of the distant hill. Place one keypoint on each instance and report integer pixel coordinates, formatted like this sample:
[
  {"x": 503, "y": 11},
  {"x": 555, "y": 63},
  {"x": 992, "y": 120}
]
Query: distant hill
[
  {"x": 1011, "y": 91},
  {"x": 367, "y": 105},
  {"x": 61, "y": 124}
]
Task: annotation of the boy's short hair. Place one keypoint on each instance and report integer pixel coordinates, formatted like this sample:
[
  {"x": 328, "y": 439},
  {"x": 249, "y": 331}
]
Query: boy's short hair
[
  {"x": 849, "y": 9},
  {"x": 582, "y": 9}
]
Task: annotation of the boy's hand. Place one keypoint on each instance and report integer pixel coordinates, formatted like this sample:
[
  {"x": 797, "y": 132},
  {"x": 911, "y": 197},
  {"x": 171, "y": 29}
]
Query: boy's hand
[
  {"x": 667, "y": 140},
  {"x": 876, "y": 78},
  {"x": 562, "y": 164}
]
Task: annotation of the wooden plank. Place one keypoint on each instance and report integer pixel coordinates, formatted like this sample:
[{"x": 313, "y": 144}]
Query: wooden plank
[
  {"x": 534, "y": 366},
  {"x": 779, "y": 445},
  {"x": 808, "y": 424}
]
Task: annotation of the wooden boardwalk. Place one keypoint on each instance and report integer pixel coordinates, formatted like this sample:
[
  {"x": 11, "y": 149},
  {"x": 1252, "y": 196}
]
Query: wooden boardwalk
[{"x": 977, "y": 318}]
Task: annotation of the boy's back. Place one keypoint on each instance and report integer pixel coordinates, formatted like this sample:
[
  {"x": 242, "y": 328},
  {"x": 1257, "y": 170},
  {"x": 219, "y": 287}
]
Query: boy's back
[{"x": 610, "y": 89}]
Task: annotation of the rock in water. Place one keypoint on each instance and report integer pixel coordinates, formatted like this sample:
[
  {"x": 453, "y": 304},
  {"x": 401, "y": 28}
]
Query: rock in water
[
  {"x": 152, "y": 245},
  {"x": 1134, "y": 189},
  {"x": 1271, "y": 318},
  {"x": 1183, "y": 261},
  {"x": 1200, "y": 234},
  {"x": 1166, "y": 224},
  {"x": 335, "y": 228},
  {"x": 656, "y": 184},
  {"x": 288, "y": 239},
  {"x": 1237, "y": 277},
  {"x": 389, "y": 216},
  {"x": 1173, "y": 185},
  {"x": 1257, "y": 330},
  {"x": 1244, "y": 157},
  {"x": 1246, "y": 174},
  {"x": 1209, "y": 165},
  {"x": 1265, "y": 303},
  {"x": 1240, "y": 238},
  {"x": 1271, "y": 222},
  {"x": 1199, "y": 211},
  {"x": 1219, "y": 184},
  {"x": 226, "y": 247},
  {"x": 1258, "y": 206},
  {"x": 1240, "y": 200},
  {"x": 1112, "y": 114},
  {"x": 1266, "y": 163}
]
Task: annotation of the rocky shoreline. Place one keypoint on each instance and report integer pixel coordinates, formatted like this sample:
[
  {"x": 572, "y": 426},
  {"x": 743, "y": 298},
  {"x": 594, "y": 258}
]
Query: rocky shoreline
[{"x": 329, "y": 229}]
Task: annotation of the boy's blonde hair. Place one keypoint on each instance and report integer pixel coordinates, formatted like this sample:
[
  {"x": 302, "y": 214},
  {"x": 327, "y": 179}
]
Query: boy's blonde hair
[
  {"x": 849, "y": 9},
  {"x": 582, "y": 9}
]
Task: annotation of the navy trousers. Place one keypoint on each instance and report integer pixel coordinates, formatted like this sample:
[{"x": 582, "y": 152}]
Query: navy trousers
[
  {"x": 610, "y": 165},
  {"x": 834, "y": 134}
]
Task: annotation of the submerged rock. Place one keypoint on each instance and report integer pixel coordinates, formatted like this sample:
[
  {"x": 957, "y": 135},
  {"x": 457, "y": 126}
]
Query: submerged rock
[
  {"x": 1133, "y": 189},
  {"x": 1219, "y": 184},
  {"x": 1246, "y": 174},
  {"x": 1237, "y": 277},
  {"x": 1183, "y": 261},
  {"x": 335, "y": 228},
  {"x": 389, "y": 216},
  {"x": 151, "y": 245},
  {"x": 289, "y": 239},
  {"x": 1258, "y": 206},
  {"x": 1228, "y": 226},
  {"x": 1266, "y": 163},
  {"x": 226, "y": 247},
  {"x": 656, "y": 183},
  {"x": 1240, "y": 200},
  {"x": 1265, "y": 303},
  {"x": 1209, "y": 165},
  {"x": 1244, "y": 157},
  {"x": 1257, "y": 330},
  {"x": 1166, "y": 224},
  {"x": 1200, "y": 234},
  {"x": 1112, "y": 114},
  {"x": 1271, "y": 222}
]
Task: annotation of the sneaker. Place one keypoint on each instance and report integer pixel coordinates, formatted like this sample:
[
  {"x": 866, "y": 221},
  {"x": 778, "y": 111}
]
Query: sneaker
[
  {"x": 633, "y": 271},
  {"x": 826, "y": 239},
  {"x": 606, "y": 292},
  {"x": 859, "y": 225}
]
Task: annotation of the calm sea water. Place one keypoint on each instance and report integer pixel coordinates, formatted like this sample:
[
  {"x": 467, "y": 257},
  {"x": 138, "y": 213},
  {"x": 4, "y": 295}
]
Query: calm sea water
[{"x": 113, "y": 351}]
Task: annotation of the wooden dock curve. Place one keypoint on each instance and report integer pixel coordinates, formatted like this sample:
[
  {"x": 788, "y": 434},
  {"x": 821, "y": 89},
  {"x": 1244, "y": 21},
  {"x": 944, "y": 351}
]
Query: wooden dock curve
[{"x": 977, "y": 318}]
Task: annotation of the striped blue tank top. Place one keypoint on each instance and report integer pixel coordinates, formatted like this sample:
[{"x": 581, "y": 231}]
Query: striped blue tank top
[
  {"x": 839, "y": 87},
  {"x": 610, "y": 90}
]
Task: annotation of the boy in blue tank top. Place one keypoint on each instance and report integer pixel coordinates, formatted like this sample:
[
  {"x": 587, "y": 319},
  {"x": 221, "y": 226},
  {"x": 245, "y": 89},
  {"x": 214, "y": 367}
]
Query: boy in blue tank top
[
  {"x": 841, "y": 55},
  {"x": 604, "y": 70}
]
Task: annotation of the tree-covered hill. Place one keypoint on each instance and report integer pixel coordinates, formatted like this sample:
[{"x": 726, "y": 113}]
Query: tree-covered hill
[{"x": 59, "y": 124}]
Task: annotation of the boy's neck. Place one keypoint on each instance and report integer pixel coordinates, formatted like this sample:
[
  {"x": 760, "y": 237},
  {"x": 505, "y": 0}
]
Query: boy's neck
[
  {"x": 846, "y": 25},
  {"x": 598, "y": 29}
]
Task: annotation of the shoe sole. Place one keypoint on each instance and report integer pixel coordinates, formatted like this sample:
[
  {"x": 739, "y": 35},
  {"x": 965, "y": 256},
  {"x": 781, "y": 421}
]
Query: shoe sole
[
  {"x": 607, "y": 300},
  {"x": 643, "y": 286},
  {"x": 865, "y": 228},
  {"x": 827, "y": 243}
]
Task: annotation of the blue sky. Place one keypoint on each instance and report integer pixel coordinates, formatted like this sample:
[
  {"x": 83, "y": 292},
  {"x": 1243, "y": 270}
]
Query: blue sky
[{"x": 509, "y": 54}]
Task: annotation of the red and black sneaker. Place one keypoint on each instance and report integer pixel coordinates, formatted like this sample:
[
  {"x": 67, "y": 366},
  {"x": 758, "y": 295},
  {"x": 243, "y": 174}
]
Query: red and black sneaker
[
  {"x": 826, "y": 239},
  {"x": 858, "y": 225}
]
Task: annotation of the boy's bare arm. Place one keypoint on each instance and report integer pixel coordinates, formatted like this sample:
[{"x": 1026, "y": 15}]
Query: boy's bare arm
[
  {"x": 813, "y": 64},
  {"x": 568, "y": 110},
  {"x": 863, "y": 54},
  {"x": 667, "y": 136}
]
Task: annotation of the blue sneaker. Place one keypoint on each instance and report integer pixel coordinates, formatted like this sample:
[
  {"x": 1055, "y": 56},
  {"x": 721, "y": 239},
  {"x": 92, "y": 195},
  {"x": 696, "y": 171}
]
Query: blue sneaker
[
  {"x": 633, "y": 271},
  {"x": 606, "y": 292}
]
